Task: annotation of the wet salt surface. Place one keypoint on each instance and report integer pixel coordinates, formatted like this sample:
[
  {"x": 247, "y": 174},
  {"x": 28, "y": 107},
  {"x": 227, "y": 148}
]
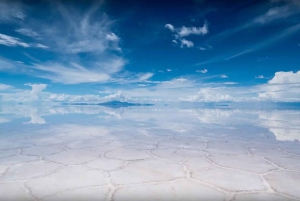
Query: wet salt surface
[{"x": 96, "y": 153}]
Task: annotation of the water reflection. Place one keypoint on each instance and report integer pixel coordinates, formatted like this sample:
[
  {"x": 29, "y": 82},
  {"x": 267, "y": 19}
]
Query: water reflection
[
  {"x": 61, "y": 152},
  {"x": 284, "y": 124}
]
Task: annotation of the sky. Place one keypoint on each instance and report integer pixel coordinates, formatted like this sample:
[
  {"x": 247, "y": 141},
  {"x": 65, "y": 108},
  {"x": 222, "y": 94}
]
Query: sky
[{"x": 150, "y": 51}]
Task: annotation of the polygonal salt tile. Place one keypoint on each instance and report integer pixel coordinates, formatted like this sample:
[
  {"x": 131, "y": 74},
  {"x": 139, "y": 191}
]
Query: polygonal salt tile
[
  {"x": 117, "y": 137},
  {"x": 9, "y": 152},
  {"x": 103, "y": 148},
  {"x": 123, "y": 143},
  {"x": 288, "y": 162},
  {"x": 14, "y": 191},
  {"x": 266, "y": 152},
  {"x": 85, "y": 143},
  {"x": 43, "y": 150},
  {"x": 105, "y": 164},
  {"x": 147, "y": 171},
  {"x": 168, "y": 154},
  {"x": 172, "y": 144},
  {"x": 177, "y": 190},
  {"x": 89, "y": 193},
  {"x": 3, "y": 168},
  {"x": 260, "y": 197},
  {"x": 247, "y": 163},
  {"x": 15, "y": 144},
  {"x": 153, "y": 138},
  {"x": 64, "y": 179},
  {"x": 195, "y": 145},
  {"x": 143, "y": 145},
  {"x": 48, "y": 141},
  {"x": 293, "y": 149},
  {"x": 128, "y": 154},
  {"x": 73, "y": 157},
  {"x": 286, "y": 182},
  {"x": 29, "y": 170},
  {"x": 78, "y": 132},
  {"x": 226, "y": 148},
  {"x": 196, "y": 164},
  {"x": 190, "y": 153},
  {"x": 230, "y": 179},
  {"x": 17, "y": 159}
]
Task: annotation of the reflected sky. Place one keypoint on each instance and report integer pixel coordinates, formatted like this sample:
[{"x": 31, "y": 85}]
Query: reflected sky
[{"x": 284, "y": 124}]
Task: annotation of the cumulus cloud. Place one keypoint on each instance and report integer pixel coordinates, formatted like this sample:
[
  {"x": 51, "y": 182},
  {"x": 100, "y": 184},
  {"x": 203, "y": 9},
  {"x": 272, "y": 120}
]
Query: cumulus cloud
[
  {"x": 186, "y": 43},
  {"x": 184, "y": 31},
  {"x": 284, "y": 86},
  {"x": 285, "y": 77},
  {"x": 202, "y": 71},
  {"x": 119, "y": 96},
  {"x": 209, "y": 95},
  {"x": 36, "y": 90},
  {"x": 170, "y": 27}
]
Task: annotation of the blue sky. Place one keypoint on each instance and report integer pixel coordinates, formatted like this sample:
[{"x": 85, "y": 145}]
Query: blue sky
[{"x": 198, "y": 51}]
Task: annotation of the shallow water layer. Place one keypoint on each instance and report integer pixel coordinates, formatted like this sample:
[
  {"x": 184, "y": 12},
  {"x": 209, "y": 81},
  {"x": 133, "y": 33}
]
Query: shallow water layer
[{"x": 148, "y": 153}]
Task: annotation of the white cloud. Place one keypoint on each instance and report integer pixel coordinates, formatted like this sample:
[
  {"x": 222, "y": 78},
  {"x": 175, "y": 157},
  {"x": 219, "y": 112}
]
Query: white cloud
[
  {"x": 11, "y": 41},
  {"x": 209, "y": 95},
  {"x": 285, "y": 77},
  {"x": 72, "y": 73},
  {"x": 5, "y": 86},
  {"x": 223, "y": 76},
  {"x": 170, "y": 27},
  {"x": 169, "y": 70},
  {"x": 88, "y": 32},
  {"x": 202, "y": 48},
  {"x": 230, "y": 83},
  {"x": 260, "y": 77},
  {"x": 202, "y": 71},
  {"x": 112, "y": 37},
  {"x": 36, "y": 90},
  {"x": 186, "y": 43},
  {"x": 14, "y": 41},
  {"x": 119, "y": 96},
  {"x": 186, "y": 31},
  {"x": 28, "y": 32},
  {"x": 283, "y": 11},
  {"x": 145, "y": 76},
  {"x": 41, "y": 46},
  {"x": 11, "y": 11}
]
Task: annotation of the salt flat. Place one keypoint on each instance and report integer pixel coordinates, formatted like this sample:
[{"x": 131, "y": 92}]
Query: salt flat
[{"x": 151, "y": 154}]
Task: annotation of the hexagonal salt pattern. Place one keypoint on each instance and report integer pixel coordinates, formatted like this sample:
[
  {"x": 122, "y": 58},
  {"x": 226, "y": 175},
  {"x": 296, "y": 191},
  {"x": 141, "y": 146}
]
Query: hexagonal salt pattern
[
  {"x": 147, "y": 160},
  {"x": 177, "y": 190}
]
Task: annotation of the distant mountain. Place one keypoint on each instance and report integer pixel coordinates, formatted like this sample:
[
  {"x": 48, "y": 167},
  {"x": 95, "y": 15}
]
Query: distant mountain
[{"x": 112, "y": 104}]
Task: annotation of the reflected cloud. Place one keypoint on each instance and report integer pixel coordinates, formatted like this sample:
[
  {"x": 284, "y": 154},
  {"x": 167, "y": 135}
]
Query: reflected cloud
[{"x": 284, "y": 124}]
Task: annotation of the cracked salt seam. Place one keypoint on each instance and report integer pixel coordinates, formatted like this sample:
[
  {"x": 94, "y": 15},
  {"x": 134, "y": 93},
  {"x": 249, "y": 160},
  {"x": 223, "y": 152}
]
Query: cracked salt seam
[{"x": 118, "y": 165}]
